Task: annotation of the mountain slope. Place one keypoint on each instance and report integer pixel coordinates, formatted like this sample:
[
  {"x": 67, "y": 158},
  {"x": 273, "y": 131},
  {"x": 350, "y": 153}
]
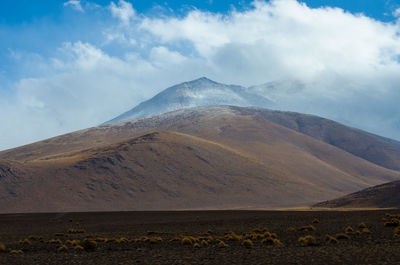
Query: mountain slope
[
  {"x": 376, "y": 149},
  {"x": 208, "y": 157},
  {"x": 199, "y": 92},
  {"x": 381, "y": 196}
]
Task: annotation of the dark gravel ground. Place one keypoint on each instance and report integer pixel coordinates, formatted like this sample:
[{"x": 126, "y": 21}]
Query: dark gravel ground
[{"x": 379, "y": 247}]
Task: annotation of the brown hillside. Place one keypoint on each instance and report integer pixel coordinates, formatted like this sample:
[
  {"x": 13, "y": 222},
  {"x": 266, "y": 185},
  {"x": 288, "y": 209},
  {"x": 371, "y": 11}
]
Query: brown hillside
[
  {"x": 381, "y": 196},
  {"x": 214, "y": 157}
]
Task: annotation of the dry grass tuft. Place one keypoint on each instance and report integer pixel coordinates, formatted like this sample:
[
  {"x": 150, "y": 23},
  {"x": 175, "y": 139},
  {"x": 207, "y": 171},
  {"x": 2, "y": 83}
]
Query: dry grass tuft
[
  {"x": 62, "y": 248},
  {"x": 55, "y": 241},
  {"x": 222, "y": 244},
  {"x": 341, "y": 236},
  {"x": 362, "y": 225},
  {"x": 308, "y": 240},
  {"x": 89, "y": 245},
  {"x": 76, "y": 231},
  {"x": 291, "y": 229},
  {"x": 15, "y": 251},
  {"x": 186, "y": 241},
  {"x": 307, "y": 228},
  {"x": 315, "y": 221},
  {"x": 366, "y": 231},
  {"x": 79, "y": 248},
  {"x": 349, "y": 230},
  {"x": 247, "y": 243},
  {"x": 204, "y": 243},
  {"x": 331, "y": 239},
  {"x": 155, "y": 240},
  {"x": 24, "y": 242},
  {"x": 3, "y": 247},
  {"x": 392, "y": 223}
]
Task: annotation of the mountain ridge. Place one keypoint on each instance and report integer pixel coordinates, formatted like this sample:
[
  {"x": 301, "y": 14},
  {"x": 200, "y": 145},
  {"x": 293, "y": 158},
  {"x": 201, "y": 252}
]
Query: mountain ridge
[
  {"x": 219, "y": 157},
  {"x": 195, "y": 93}
]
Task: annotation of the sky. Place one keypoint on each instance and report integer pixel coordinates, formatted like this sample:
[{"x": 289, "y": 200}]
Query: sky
[{"x": 71, "y": 64}]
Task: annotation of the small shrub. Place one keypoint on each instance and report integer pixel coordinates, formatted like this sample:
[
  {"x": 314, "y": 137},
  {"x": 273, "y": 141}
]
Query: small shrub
[
  {"x": 204, "y": 243},
  {"x": 392, "y": 223},
  {"x": 291, "y": 229},
  {"x": 79, "y": 248},
  {"x": 60, "y": 234},
  {"x": 14, "y": 251},
  {"x": 196, "y": 245},
  {"x": 89, "y": 245},
  {"x": 76, "y": 231},
  {"x": 247, "y": 243},
  {"x": 362, "y": 225},
  {"x": 307, "y": 228},
  {"x": 62, "y": 248},
  {"x": 155, "y": 240},
  {"x": 349, "y": 230},
  {"x": 233, "y": 237},
  {"x": 308, "y": 240},
  {"x": 222, "y": 244},
  {"x": 331, "y": 239},
  {"x": 365, "y": 231},
  {"x": 55, "y": 241},
  {"x": 186, "y": 241},
  {"x": 2, "y": 247},
  {"x": 342, "y": 236},
  {"x": 24, "y": 242},
  {"x": 357, "y": 232},
  {"x": 315, "y": 221},
  {"x": 271, "y": 241},
  {"x": 32, "y": 237}
]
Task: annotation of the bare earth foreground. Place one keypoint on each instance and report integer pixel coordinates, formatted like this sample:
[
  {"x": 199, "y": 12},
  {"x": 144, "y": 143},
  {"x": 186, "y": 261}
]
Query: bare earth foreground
[{"x": 170, "y": 237}]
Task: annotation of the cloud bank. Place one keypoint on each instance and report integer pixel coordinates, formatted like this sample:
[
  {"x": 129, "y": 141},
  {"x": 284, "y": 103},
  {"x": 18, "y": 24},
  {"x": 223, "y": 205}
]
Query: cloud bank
[{"x": 339, "y": 65}]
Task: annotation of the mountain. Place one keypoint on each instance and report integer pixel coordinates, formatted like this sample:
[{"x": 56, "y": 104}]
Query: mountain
[
  {"x": 381, "y": 196},
  {"x": 216, "y": 157},
  {"x": 199, "y": 92}
]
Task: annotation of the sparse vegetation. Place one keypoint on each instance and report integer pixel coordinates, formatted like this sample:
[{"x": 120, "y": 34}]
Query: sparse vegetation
[
  {"x": 79, "y": 248},
  {"x": 3, "y": 247},
  {"x": 308, "y": 240},
  {"x": 222, "y": 244},
  {"x": 307, "y": 228},
  {"x": 247, "y": 243},
  {"x": 331, "y": 239},
  {"x": 341, "y": 236},
  {"x": 362, "y": 225},
  {"x": 186, "y": 241},
  {"x": 349, "y": 230},
  {"x": 62, "y": 248},
  {"x": 89, "y": 245},
  {"x": 315, "y": 221},
  {"x": 15, "y": 251},
  {"x": 392, "y": 223},
  {"x": 24, "y": 242},
  {"x": 366, "y": 231},
  {"x": 76, "y": 231}
]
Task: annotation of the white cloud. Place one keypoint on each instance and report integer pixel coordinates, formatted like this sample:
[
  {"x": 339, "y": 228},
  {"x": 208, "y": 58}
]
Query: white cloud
[
  {"x": 348, "y": 65},
  {"x": 76, "y": 4},
  {"x": 396, "y": 13},
  {"x": 123, "y": 11}
]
